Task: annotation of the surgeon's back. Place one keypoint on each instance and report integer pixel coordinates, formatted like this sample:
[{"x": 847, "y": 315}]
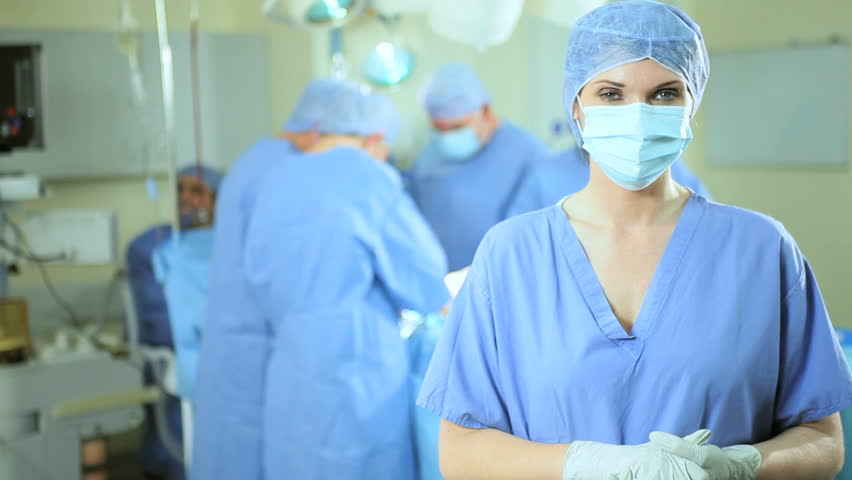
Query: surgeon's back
[
  {"x": 335, "y": 248},
  {"x": 315, "y": 227}
]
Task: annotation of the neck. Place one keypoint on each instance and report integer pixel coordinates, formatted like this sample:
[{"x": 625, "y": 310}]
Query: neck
[
  {"x": 492, "y": 129},
  {"x": 329, "y": 142},
  {"x": 612, "y": 205}
]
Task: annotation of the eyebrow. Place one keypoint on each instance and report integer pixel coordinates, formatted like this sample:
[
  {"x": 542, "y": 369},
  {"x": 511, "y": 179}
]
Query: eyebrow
[
  {"x": 669, "y": 84},
  {"x": 662, "y": 85},
  {"x": 614, "y": 84}
]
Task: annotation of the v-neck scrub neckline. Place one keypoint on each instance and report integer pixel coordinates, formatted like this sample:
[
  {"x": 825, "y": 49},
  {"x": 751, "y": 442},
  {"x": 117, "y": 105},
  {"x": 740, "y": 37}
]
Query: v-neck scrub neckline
[{"x": 658, "y": 289}]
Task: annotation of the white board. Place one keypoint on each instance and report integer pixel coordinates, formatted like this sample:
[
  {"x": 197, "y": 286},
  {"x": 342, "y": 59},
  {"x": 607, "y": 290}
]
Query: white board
[
  {"x": 779, "y": 108},
  {"x": 91, "y": 127},
  {"x": 84, "y": 237}
]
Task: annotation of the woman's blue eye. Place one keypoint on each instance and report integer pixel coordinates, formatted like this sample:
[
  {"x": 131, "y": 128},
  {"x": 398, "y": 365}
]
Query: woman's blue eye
[
  {"x": 609, "y": 95},
  {"x": 668, "y": 94}
]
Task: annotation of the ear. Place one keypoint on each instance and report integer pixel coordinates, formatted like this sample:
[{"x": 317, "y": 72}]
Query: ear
[
  {"x": 313, "y": 138},
  {"x": 488, "y": 112},
  {"x": 374, "y": 139}
]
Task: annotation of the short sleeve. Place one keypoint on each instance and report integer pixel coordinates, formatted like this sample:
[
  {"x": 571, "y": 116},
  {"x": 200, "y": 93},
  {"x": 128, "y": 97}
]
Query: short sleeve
[
  {"x": 815, "y": 380},
  {"x": 461, "y": 383}
]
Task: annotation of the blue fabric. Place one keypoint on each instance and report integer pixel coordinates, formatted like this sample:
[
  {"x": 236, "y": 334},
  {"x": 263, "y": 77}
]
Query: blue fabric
[
  {"x": 845, "y": 337},
  {"x": 154, "y": 330},
  {"x": 462, "y": 200},
  {"x": 421, "y": 345},
  {"x": 733, "y": 336},
  {"x": 384, "y": 116},
  {"x": 148, "y": 297},
  {"x": 228, "y": 423},
  {"x": 327, "y": 106},
  {"x": 210, "y": 176},
  {"x": 453, "y": 91},
  {"x": 182, "y": 266},
  {"x": 342, "y": 107},
  {"x": 629, "y": 31},
  {"x": 309, "y": 365},
  {"x": 566, "y": 173}
]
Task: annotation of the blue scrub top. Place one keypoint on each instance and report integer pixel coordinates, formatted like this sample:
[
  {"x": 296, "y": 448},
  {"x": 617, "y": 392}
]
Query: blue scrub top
[
  {"x": 234, "y": 343},
  {"x": 733, "y": 336},
  {"x": 304, "y": 357},
  {"x": 182, "y": 266},
  {"x": 461, "y": 200},
  {"x": 155, "y": 330},
  {"x": 567, "y": 172},
  {"x": 148, "y": 298}
]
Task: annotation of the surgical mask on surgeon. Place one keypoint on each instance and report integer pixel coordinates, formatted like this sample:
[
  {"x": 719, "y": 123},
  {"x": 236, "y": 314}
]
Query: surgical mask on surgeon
[
  {"x": 458, "y": 144},
  {"x": 196, "y": 217},
  {"x": 634, "y": 144}
]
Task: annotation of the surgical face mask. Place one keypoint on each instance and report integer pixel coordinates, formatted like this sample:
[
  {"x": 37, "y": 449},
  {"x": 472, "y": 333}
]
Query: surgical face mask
[
  {"x": 634, "y": 144},
  {"x": 458, "y": 144},
  {"x": 197, "y": 217}
]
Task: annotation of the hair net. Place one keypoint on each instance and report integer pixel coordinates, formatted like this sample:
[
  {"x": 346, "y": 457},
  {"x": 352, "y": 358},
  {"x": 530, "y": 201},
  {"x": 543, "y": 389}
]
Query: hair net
[
  {"x": 210, "y": 176},
  {"x": 382, "y": 117},
  {"x": 629, "y": 31},
  {"x": 330, "y": 107},
  {"x": 453, "y": 91}
]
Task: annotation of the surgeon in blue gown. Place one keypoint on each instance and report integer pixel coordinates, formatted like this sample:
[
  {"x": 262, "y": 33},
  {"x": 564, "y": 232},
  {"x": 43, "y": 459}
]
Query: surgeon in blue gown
[
  {"x": 303, "y": 369},
  {"x": 636, "y": 310},
  {"x": 467, "y": 174},
  {"x": 553, "y": 178},
  {"x": 197, "y": 187}
]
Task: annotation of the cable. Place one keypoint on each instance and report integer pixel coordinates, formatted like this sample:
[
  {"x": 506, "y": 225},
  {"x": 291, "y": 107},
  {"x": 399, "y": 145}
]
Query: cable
[
  {"x": 19, "y": 233},
  {"x": 26, "y": 255}
]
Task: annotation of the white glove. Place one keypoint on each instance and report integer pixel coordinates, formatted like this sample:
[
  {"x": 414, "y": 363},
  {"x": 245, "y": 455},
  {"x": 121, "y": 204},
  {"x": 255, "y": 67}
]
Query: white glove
[
  {"x": 739, "y": 462},
  {"x": 601, "y": 461}
]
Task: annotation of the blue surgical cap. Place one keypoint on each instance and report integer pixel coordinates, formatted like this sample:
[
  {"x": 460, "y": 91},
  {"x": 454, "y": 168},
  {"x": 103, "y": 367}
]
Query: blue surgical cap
[
  {"x": 343, "y": 108},
  {"x": 453, "y": 91},
  {"x": 383, "y": 117},
  {"x": 632, "y": 30},
  {"x": 329, "y": 107},
  {"x": 210, "y": 176}
]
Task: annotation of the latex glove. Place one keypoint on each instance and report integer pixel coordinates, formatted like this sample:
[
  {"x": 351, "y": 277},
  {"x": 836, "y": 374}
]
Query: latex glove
[
  {"x": 601, "y": 461},
  {"x": 739, "y": 462}
]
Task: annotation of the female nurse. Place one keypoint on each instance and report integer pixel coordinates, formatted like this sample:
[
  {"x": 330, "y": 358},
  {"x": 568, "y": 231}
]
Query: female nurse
[{"x": 611, "y": 335}]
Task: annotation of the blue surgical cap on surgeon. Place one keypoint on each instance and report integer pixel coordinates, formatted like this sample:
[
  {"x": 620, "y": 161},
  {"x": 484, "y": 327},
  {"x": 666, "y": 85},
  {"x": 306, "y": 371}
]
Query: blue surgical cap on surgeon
[
  {"x": 209, "y": 176},
  {"x": 632, "y": 30},
  {"x": 329, "y": 107},
  {"x": 453, "y": 91},
  {"x": 383, "y": 117}
]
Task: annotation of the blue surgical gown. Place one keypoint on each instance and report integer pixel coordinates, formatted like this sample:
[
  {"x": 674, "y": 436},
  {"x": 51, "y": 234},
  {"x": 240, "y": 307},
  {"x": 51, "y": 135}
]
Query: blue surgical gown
[
  {"x": 154, "y": 331},
  {"x": 733, "y": 336},
  {"x": 333, "y": 250},
  {"x": 462, "y": 200},
  {"x": 148, "y": 297},
  {"x": 182, "y": 265},
  {"x": 228, "y": 423},
  {"x": 567, "y": 172}
]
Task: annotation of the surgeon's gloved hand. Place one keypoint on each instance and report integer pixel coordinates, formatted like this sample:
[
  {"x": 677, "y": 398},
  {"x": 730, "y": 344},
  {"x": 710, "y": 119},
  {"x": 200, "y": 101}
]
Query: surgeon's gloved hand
[
  {"x": 601, "y": 461},
  {"x": 739, "y": 462}
]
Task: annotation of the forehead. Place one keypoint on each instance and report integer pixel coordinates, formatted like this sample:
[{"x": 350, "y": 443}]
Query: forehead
[
  {"x": 190, "y": 181},
  {"x": 644, "y": 73},
  {"x": 453, "y": 122}
]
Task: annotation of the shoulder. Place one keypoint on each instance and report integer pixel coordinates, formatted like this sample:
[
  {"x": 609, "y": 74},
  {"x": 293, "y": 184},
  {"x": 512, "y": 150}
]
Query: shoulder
[
  {"x": 757, "y": 225},
  {"x": 757, "y": 235},
  {"x": 150, "y": 238},
  {"x": 521, "y": 138},
  {"x": 517, "y": 241}
]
